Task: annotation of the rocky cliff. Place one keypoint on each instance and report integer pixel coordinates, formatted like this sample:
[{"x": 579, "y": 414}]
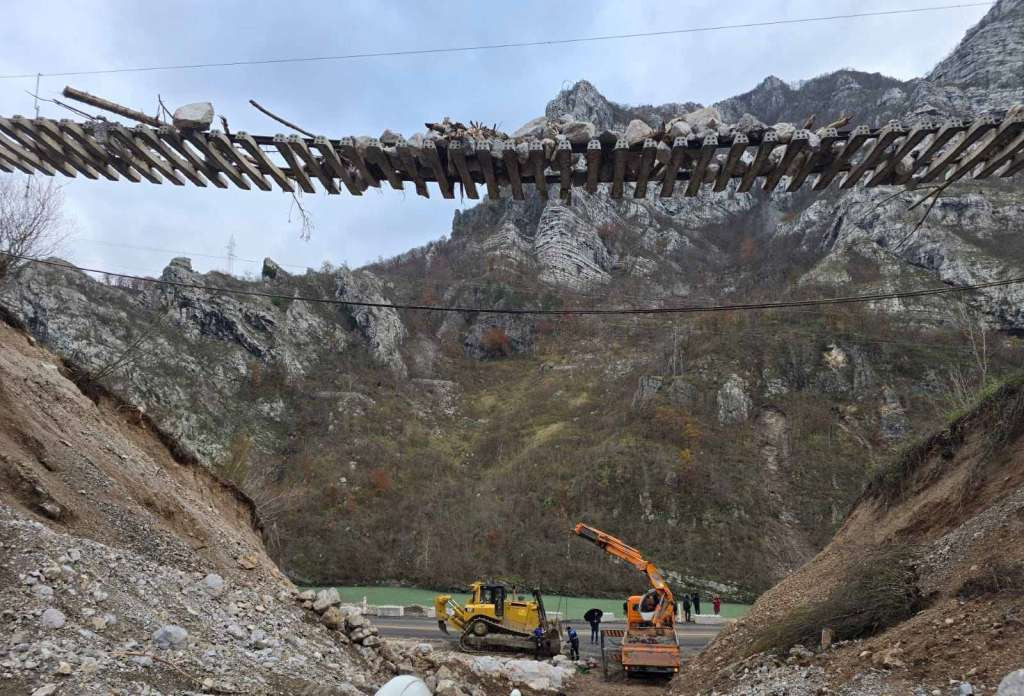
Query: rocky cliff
[{"x": 436, "y": 449}]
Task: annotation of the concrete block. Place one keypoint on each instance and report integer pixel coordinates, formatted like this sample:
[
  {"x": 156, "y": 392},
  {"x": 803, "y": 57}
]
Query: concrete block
[{"x": 390, "y": 610}]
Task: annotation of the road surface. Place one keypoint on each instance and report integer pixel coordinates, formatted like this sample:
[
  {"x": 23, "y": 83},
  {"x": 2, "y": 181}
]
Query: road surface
[{"x": 692, "y": 637}]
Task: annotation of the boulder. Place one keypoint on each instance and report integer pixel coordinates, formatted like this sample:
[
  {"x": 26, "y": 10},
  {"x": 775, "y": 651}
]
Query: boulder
[
  {"x": 704, "y": 118},
  {"x": 354, "y": 621},
  {"x": 307, "y": 596},
  {"x": 169, "y": 637},
  {"x": 637, "y": 131},
  {"x": 534, "y": 129},
  {"x": 1012, "y": 684},
  {"x": 271, "y": 269},
  {"x": 749, "y": 124},
  {"x": 213, "y": 584},
  {"x": 198, "y": 116},
  {"x": 679, "y": 128},
  {"x": 52, "y": 618},
  {"x": 390, "y": 137},
  {"x": 578, "y": 132},
  {"x": 404, "y": 685},
  {"x": 333, "y": 618},
  {"x": 326, "y": 598}
]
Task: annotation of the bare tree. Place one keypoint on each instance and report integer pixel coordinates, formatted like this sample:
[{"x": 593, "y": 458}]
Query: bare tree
[{"x": 31, "y": 221}]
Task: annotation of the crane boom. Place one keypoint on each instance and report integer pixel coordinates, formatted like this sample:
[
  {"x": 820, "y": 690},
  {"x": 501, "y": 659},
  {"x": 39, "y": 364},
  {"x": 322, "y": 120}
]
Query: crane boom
[{"x": 620, "y": 549}]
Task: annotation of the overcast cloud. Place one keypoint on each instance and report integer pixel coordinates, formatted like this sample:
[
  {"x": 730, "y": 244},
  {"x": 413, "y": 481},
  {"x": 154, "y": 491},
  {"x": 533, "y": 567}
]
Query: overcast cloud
[{"x": 365, "y": 96}]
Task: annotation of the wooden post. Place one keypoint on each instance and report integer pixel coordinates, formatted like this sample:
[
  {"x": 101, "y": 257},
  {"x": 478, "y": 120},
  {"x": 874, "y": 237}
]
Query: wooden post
[
  {"x": 796, "y": 145},
  {"x": 409, "y": 164},
  {"x": 564, "y": 158},
  {"x": 511, "y": 159},
  {"x": 707, "y": 151},
  {"x": 299, "y": 147},
  {"x": 769, "y": 140},
  {"x": 266, "y": 165},
  {"x": 814, "y": 159},
  {"x": 643, "y": 173},
  {"x": 375, "y": 155},
  {"x": 918, "y": 133},
  {"x": 457, "y": 154},
  {"x": 619, "y": 167},
  {"x": 171, "y": 136},
  {"x": 948, "y": 130},
  {"x": 349, "y": 151},
  {"x": 433, "y": 158},
  {"x": 100, "y": 103},
  {"x": 52, "y": 149},
  {"x": 1006, "y": 132},
  {"x": 593, "y": 164},
  {"x": 145, "y": 156},
  {"x": 216, "y": 160},
  {"x": 250, "y": 169},
  {"x": 1015, "y": 147},
  {"x": 38, "y": 156},
  {"x": 537, "y": 164},
  {"x": 857, "y": 138},
  {"x": 668, "y": 181},
  {"x": 736, "y": 150},
  {"x": 484, "y": 157},
  {"x": 298, "y": 172},
  {"x": 871, "y": 161},
  {"x": 978, "y": 128},
  {"x": 12, "y": 159}
]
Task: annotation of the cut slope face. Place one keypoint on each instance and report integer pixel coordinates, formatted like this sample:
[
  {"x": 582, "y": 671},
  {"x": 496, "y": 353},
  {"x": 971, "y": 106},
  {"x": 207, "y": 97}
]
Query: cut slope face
[
  {"x": 953, "y": 507},
  {"x": 113, "y": 552}
]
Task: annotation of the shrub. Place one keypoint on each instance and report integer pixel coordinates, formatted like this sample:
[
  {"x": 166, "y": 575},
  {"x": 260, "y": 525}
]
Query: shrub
[
  {"x": 381, "y": 480},
  {"x": 993, "y": 577},
  {"x": 495, "y": 342},
  {"x": 878, "y": 591}
]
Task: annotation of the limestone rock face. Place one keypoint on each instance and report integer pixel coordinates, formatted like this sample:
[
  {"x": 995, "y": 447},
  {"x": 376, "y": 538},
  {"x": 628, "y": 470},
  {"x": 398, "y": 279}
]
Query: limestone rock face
[
  {"x": 734, "y": 403},
  {"x": 582, "y": 102}
]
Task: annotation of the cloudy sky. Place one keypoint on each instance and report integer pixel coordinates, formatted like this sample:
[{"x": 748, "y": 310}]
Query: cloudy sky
[{"x": 365, "y": 96}]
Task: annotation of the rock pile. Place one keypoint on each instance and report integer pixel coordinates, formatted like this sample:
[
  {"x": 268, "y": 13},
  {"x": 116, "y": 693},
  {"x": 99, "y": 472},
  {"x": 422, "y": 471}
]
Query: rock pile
[{"x": 347, "y": 620}]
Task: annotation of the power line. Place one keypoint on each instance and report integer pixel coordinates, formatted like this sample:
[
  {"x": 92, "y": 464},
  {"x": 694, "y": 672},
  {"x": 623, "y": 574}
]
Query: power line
[
  {"x": 686, "y": 309},
  {"x": 484, "y": 47},
  {"x": 180, "y": 253}
]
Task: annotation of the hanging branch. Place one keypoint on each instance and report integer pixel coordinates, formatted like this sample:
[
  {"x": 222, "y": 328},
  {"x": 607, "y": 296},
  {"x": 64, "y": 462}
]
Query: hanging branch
[
  {"x": 281, "y": 120},
  {"x": 65, "y": 106},
  {"x": 163, "y": 107},
  {"x": 106, "y": 105},
  {"x": 304, "y": 217}
]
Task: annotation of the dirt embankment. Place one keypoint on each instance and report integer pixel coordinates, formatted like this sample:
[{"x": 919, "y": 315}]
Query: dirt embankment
[
  {"x": 923, "y": 584},
  {"x": 126, "y": 567}
]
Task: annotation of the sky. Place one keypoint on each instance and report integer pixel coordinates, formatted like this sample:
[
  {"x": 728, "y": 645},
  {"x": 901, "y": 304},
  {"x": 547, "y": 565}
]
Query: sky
[{"x": 108, "y": 222}]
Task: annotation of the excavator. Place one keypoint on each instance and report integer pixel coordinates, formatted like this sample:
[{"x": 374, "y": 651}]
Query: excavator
[
  {"x": 649, "y": 643},
  {"x": 497, "y": 619}
]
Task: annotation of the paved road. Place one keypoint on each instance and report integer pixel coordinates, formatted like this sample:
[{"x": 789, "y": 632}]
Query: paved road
[{"x": 692, "y": 637}]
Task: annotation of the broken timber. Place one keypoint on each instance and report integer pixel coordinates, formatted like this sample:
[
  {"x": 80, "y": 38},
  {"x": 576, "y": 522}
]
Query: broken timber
[{"x": 897, "y": 154}]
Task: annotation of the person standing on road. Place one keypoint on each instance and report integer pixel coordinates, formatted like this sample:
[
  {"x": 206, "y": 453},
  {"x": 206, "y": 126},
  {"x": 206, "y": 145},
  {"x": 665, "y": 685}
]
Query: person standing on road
[
  {"x": 696, "y": 603},
  {"x": 716, "y": 602},
  {"x": 574, "y": 643},
  {"x": 538, "y": 642},
  {"x": 686, "y": 607},
  {"x": 593, "y": 617}
]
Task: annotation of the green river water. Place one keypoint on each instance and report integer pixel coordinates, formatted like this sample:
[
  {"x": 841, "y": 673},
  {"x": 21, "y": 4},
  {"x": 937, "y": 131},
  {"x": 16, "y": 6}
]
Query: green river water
[{"x": 571, "y": 607}]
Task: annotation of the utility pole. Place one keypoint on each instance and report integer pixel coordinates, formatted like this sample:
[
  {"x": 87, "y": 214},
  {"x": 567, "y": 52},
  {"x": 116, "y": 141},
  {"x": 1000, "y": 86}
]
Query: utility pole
[{"x": 231, "y": 255}]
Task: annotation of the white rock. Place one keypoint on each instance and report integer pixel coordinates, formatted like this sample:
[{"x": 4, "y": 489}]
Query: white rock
[
  {"x": 326, "y": 598},
  {"x": 169, "y": 636},
  {"x": 198, "y": 116},
  {"x": 42, "y": 591},
  {"x": 1012, "y": 684},
  {"x": 213, "y": 584},
  {"x": 578, "y": 132},
  {"x": 637, "y": 131},
  {"x": 404, "y": 685},
  {"x": 52, "y": 618},
  {"x": 45, "y": 690}
]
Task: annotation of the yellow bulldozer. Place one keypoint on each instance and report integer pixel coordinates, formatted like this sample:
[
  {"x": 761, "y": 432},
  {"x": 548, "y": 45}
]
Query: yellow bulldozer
[{"x": 497, "y": 618}]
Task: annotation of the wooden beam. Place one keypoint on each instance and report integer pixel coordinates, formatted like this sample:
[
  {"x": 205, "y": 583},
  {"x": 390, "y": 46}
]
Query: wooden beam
[
  {"x": 433, "y": 158},
  {"x": 299, "y": 147},
  {"x": 736, "y": 150},
  {"x": 1015, "y": 147},
  {"x": 53, "y": 150},
  {"x": 563, "y": 155},
  {"x": 375, "y": 155},
  {"x": 237, "y": 157},
  {"x": 858, "y": 136},
  {"x": 938, "y": 167},
  {"x": 945, "y": 133},
  {"x": 457, "y": 155},
  {"x": 216, "y": 160},
  {"x": 813, "y": 159},
  {"x": 1015, "y": 166},
  {"x": 796, "y": 145},
  {"x": 29, "y": 147},
  {"x": 408, "y": 160},
  {"x": 621, "y": 153},
  {"x": 107, "y": 105},
  {"x": 333, "y": 165},
  {"x": 668, "y": 180},
  {"x": 537, "y": 164},
  {"x": 99, "y": 164},
  {"x": 769, "y": 141},
  {"x": 707, "y": 153},
  {"x": 871, "y": 161},
  {"x": 298, "y": 172},
  {"x": 266, "y": 165},
  {"x": 145, "y": 156},
  {"x": 172, "y": 137},
  {"x": 1007, "y": 131},
  {"x": 12, "y": 158},
  {"x": 593, "y": 165},
  {"x": 511, "y": 159},
  {"x": 484, "y": 157},
  {"x": 643, "y": 173},
  {"x": 918, "y": 133},
  {"x": 179, "y": 164},
  {"x": 349, "y": 151},
  {"x": 83, "y": 137}
]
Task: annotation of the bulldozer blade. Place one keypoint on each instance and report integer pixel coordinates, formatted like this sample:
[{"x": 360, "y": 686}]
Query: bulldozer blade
[{"x": 443, "y": 626}]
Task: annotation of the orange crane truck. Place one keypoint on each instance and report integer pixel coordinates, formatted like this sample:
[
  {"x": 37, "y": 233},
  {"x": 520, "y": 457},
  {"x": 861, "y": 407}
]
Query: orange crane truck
[{"x": 649, "y": 643}]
